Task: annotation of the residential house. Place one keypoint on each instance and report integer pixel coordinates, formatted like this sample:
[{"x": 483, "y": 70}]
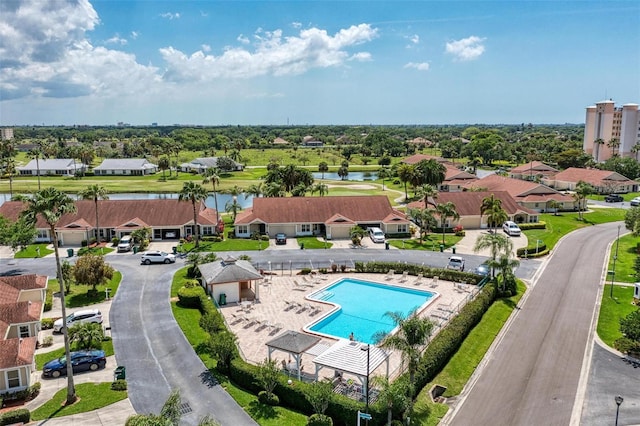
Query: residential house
[
  {"x": 421, "y": 141},
  {"x": 468, "y": 207},
  {"x": 533, "y": 171},
  {"x": 311, "y": 141},
  {"x": 416, "y": 158},
  {"x": 125, "y": 167},
  {"x": 280, "y": 141},
  {"x": 57, "y": 167},
  {"x": 167, "y": 219},
  {"x": 455, "y": 179},
  {"x": 332, "y": 217},
  {"x": 236, "y": 279},
  {"x": 21, "y": 304},
  {"x": 200, "y": 165},
  {"x": 604, "y": 181},
  {"x": 532, "y": 195}
]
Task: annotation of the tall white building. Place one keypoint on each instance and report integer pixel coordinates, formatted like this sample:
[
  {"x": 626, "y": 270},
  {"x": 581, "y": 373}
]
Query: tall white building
[
  {"x": 610, "y": 129},
  {"x": 6, "y": 133}
]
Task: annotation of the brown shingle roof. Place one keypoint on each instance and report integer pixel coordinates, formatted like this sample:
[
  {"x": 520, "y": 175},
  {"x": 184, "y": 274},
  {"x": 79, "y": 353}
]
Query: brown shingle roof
[
  {"x": 16, "y": 352},
  {"x": 515, "y": 187},
  {"x": 535, "y": 166},
  {"x": 25, "y": 282},
  {"x": 319, "y": 210},
  {"x": 594, "y": 177},
  {"x": 468, "y": 203}
]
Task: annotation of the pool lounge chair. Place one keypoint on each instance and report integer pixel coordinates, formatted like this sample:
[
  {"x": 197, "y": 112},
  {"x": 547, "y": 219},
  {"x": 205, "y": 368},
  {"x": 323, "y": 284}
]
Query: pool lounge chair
[
  {"x": 434, "y": 282},
  {"x": 418, "y": 280},
  {"x": 405, "y": 274},
  {"x": 390, "y": 275}
]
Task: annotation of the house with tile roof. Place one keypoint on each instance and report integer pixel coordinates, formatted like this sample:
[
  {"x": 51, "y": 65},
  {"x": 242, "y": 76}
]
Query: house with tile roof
[
  {"x": 52, "y": 167},
  {"x": 456, "y": 179},
  {"x": 468, "y": 207},
  {"x": 21, "y": 305},
  {"x": 533, "y": 170},
  {"x": 604, "y": 181},
  {"x": 332, "y": 217},
  {"x": 416, "y": 158},
  {"x": 532, "y": 195},
  {"x": 125, "y": 167},
  {"x": 168, "y": 220}
]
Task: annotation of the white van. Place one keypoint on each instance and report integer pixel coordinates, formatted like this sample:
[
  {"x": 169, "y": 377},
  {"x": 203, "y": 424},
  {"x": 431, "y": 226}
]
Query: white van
[
  {"x": 511, "y": 228},
  {"x": 376, "y": 235},
  {"x": 125, "y": 244}
]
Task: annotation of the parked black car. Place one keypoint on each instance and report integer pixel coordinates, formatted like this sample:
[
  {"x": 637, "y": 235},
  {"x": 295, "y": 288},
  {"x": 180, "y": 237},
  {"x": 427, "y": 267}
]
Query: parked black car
[
  {"x": 281, "y": 239},
  {"x": 613, "y": 198},
  {"x": 80, "y": 361}
]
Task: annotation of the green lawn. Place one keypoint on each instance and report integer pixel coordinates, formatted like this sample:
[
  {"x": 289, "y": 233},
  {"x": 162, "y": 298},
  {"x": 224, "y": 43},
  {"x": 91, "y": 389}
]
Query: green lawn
[
  {"x": 563, "y": 223},
  {"x": 462, "y": 365},
  {"x": 627, "y": 253},
  {"x": 229, "y": 244},
  {"x": 95, "y": 250},
  {"x": 431, "y": 242},
  {"x": 611, "y": 310},
  {"x": 91, "y": 396},
  {"x": 79, "y": 297},
  {"x": 312, "y": 243},
  {"x": 32, "y": 251},
  {"x": 43, "y": 358}
]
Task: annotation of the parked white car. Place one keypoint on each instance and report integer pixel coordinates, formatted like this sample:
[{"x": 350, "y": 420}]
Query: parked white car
[
  {"x": 79, "y": 317},
  {"x": 155, "y": 256},
  {"x": 511, "y": 228},
  {"x": 456, "y": 263},
  {"x": 376, "y": 235},
  {"x": 635, "y": 202},
  {"x": 125, "y": 244}
]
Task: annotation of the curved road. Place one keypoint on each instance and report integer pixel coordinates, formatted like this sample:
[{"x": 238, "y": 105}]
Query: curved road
[{"x": 533, "y": 374}]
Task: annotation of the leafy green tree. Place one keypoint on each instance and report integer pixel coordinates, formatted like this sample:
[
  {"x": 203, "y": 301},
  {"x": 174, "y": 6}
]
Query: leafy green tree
[
  {"x": 67, "y": 274},
  {"x": 227, "y": 164},
  {"x": 95, "y": 193},
  {"x": 18, "y": 234},
  {"x": 86, "y": 335},
  {"x": 392, "y": 394},
  {"x": 268, "y": 375},
  {"x": 223, "y": 348},
  {"x": 196, "y": 194},
  {"x": 92, "y": 270},
  {"x": 632, "y": 220},
  {"x": 51, "y": 204},
  {"x": 319, "y": 396},
  {"x": 630, "y": 325},
  {"x": 343, "y": 172},
  {"x": 446, "y": 211},
  {"x": 323, "y": 167},
  {"x": 582, "y": 191}
]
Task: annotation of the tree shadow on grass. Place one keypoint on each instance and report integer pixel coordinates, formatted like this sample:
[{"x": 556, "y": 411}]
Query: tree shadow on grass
[{"x": 258, "y": 410}]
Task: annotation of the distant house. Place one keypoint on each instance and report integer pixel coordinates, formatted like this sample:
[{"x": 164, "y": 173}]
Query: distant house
[
  {"x": 21, "y": 304},
  {"x": 167, "y": 219},
  {"x": 421, "y": 141},
  {"x": 416, "y": 158},
  {"x": 332, "y": 217},
  {"x": 534, "y": 196},
  {"x": 604, "y": 181},
  {"x": 200, "y": 165},
  {"x": 56, "y": 167},
  {"x": 280, "y": 141},
  {"x": 455, "y": 179},
  {"x": 311, "y": 141},
  {"x": 468, "y": 207},
  {"x": 125, "y": 167},
  {"x": 534, "y": 170}
]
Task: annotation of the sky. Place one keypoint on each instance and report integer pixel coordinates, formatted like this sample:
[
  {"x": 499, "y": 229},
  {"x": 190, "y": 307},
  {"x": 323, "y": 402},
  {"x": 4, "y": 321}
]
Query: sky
[{"x": 81, "y": 62}]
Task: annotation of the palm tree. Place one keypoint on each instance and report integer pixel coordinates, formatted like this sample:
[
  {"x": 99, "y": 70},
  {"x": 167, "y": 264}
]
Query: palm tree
[
  {"x": 428, "y": 191},
  {"x": 405, "y": 173},
  {"x": 384, "y": 173},
  {"x": 321, "y": 188},
  {"x": 323, "y": 167},
  {"x": 95, "y": 193},
  {"x": 554, "y": 205},
  {"x": 614, "y": 143},
  {"x": 506, "y": 265},
  {"x": 343, "y": 172},
  {"x": 497, "y": 243},
  {"x": 445, "y": 211},
  {"x": 196, "y": 194},
  {"x": 211, "y": 175},
  {"x": 36, "y": 153},
  {"x": 51, "y": 204},
  {"x": 426, "y": 220},
  {"x": 583, "y": 190},
  {"x": 233, "y": 207},
  {"x": 255, "y": 189},
  {"x": 596, "y": 148},
  {"x": 10, "y": 170},
  {"x": 88, "y": 335},
  {"x": 491, "y": 205},
  {"x": 392, "y": 394},
  {"x": 164, "y": 164}
]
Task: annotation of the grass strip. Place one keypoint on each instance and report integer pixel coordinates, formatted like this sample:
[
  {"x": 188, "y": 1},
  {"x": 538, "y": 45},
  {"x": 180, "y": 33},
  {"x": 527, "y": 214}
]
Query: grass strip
[{"x": 612, "y": 310}]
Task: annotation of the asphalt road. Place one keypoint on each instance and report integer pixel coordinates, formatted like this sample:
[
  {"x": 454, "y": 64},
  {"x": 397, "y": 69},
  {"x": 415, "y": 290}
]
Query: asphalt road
[{"x": 532, "y": 376}]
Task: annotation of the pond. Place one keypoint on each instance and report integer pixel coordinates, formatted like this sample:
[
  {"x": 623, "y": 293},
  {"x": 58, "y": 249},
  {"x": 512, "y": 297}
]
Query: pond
[{"x": 352, "y": 176}]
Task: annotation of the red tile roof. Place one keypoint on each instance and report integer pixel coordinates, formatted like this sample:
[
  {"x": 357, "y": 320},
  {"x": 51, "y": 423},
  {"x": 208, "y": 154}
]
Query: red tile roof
[
  {"x": 415, "y": 159},
  {"x": 595, "y": 177},
  {"x": 17, "y": 352},
  {"x": 25, "y": 282},
  {"x": 517, "y": 188},
  {"x": 535, "y": 166},
  {"x": 321, "y": 210}
]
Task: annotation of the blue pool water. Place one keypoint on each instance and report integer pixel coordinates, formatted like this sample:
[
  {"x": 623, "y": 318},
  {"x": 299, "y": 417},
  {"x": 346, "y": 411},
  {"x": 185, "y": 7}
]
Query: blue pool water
[{"x": 363, "y": 308}]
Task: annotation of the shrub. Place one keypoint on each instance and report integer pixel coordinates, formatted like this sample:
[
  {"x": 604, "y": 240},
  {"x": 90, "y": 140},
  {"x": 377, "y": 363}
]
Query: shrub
[
  {"x": 115, "y": 241},
  {"x": 34, "y": 390},
  {"x": 190, "y": 297},
  {"x": 305, "y": 271},
  {"x": 191, "y": 283},
  {"x": 269, "y": 399},
  {"x": 319, "y": 420},
  {"x": 212, "y": 322},
  {"x": 47, "y": 323},
  {"x": 21, "y": 415},
  {"x": 119, "y": 385},
  {"x": 527, "y": 226},
  {"x": 47, "y": 341},
  {"x": 48, "y": 301}
]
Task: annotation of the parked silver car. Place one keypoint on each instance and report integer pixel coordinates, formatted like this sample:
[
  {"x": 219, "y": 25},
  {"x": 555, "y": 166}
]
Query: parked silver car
[
  {"x": 155, "y": 256},
  {"x": 79, "y": 317}
]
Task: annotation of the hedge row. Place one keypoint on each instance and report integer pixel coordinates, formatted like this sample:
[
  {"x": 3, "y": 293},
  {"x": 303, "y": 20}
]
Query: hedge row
[
  {"x": 535, "y": 225},
  {"x": 189, "y": 297},
  {"x": 538, "y": 250},
  {"x": 427, "y": 272},
  {"x": 19, "y": 416}
]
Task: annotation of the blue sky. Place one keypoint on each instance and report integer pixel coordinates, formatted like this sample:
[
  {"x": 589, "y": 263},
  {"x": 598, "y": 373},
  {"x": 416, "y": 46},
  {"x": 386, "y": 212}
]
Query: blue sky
[{"x": 314, "y": 62}]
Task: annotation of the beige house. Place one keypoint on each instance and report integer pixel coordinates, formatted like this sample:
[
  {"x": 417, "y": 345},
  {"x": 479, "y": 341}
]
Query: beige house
[
  {"x": 236, "y": 279},
  {"x": 604, "y": 181},
  {"x": 534, "y": 170},
  {"x": 21, "y": 304},
  {"x": 332, "y": 217}
]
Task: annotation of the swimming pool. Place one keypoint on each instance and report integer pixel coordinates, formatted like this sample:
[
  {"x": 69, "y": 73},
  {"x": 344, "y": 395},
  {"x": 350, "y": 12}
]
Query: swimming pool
[{"x": 362, "y": 307}]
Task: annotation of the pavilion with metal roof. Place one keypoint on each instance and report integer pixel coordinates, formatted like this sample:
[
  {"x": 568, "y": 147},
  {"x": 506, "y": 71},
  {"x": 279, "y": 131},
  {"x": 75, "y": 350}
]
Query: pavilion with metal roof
[{"x": 295, "y": 344}]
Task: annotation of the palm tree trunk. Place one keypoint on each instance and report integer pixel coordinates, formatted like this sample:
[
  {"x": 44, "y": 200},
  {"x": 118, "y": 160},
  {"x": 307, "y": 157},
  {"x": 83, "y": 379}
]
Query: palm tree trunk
[
  {"x": 38, "y": 171},
  {"x": 97, "y": 225},
  {"x": 195, "y": 224},
  {"x": 71, "y": 391}
]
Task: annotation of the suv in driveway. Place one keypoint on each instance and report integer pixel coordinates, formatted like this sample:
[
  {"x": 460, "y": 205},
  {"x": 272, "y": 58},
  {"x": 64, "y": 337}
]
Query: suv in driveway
[
  {"x": 511, "y": 228},
  {"x": 155, "y": 256},
  {"x": 456, "y": 263},
  {"x": 281, "y": 239},
  {"x": 613, "y": 198},
  {"x": 79, "y": 317},
  {"x": 125, "y": 244}
]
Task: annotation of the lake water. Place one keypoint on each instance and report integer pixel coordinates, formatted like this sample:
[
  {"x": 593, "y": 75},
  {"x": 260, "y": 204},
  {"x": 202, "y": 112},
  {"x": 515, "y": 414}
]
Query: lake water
[{"x": 352, "y": 176}]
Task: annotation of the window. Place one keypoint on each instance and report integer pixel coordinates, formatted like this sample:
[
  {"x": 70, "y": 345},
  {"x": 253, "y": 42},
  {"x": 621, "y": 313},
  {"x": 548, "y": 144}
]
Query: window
[
  {"x": 24, "y": 331},
  {"x": 242, "y": 229},
  {"x": 207, "y": 230},
  {"x": 305, "y": 227},
  {"x": 43, "y": 234},
  {"x": 13, "y": 379},
  {"x": 402, "y": 228}
]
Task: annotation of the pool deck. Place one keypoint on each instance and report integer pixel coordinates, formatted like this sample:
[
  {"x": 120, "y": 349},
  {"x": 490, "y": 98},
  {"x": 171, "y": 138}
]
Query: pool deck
[{"x": 274, "y": 314}]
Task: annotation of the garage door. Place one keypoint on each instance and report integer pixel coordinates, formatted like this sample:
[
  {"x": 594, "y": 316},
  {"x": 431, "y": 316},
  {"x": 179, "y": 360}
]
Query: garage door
[{"x": 73, "y": 238}]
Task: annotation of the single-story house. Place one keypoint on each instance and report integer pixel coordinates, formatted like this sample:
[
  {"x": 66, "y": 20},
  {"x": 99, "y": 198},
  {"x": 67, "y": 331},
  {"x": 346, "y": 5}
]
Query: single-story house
[
  {"x": 280, "y": 141},
  {"x": 455, "y": 179},
  {"x": 332, "y": 217},
  {"x": 604, "y": 181},
  {"x": 125, "y": 167},
  {"x": 21, "y": 304},
  {"x": 200, "y": 165},
  {"x": 468, "y": 207},
  {"x": 311, "y": 141},
  {"x": 532, "y": 195},
  {"x": 421, "y": 141},
  {"x": 168, "y": 220},
  {"x": 236, "y": 279},
  {"x": 56, "y": 166},
  {"x": 532, "y": 171}
]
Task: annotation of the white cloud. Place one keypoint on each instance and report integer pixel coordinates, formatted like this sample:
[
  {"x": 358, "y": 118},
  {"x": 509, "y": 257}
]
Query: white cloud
[
  {"x": 361, "y": 57},
  {"x": 421, "y": 66},
  {"x": 134, "y": 34},
  {"x": 205, "y": 48},
  {"x": 466, "y": 49},
  {"x": 170, "y": 16},
  {"x": 273, "y": 54},
  {"x": 296, "y": 25},
  {"x": 243, "y": 39},
  {"x": 413, "y": 40},
  {"x": 116, "y": 39}
]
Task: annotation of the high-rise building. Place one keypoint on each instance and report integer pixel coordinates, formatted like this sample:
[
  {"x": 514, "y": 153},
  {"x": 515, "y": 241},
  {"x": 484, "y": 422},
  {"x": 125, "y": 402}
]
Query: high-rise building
[
  {"x": 6, "y": 133},
  {"x": 612, "y": 130}
]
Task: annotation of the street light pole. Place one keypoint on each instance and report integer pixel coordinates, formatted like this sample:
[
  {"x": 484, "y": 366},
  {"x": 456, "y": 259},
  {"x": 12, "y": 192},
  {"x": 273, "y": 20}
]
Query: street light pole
[
  {"x": 615, "y": 257},
  {"x": 619, "y": 400}
]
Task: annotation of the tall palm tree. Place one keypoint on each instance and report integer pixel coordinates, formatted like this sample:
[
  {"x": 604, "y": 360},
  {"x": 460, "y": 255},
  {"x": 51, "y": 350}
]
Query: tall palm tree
[
  {"x": 36, "y": 154},
  {"x": 323, "y": 167},
  {"x": 255, "y": 189},
  {"x": 95, "y": 193},
  {"x": 392, "y": 394},
  {"x": 211, "y": 175},
  {"x": 196, "y": 194},
  {"x": 490, "y": 204},
  {"x": 384, "y": 173},
  {"x": 582, "y": 191},
  {"x": 233, "y": 207},
  {"x": 497, "y": 243},
  {"x": 321, "y": 188},
  {"x": 10, "y": 170},
  {"x": 50, "y": 204},
  {"x": 426, "y": 220},
  {"x": 446, "y": 211},
  {"x": 428, "y": 191},
  {"x": 405, "y": 173}
]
